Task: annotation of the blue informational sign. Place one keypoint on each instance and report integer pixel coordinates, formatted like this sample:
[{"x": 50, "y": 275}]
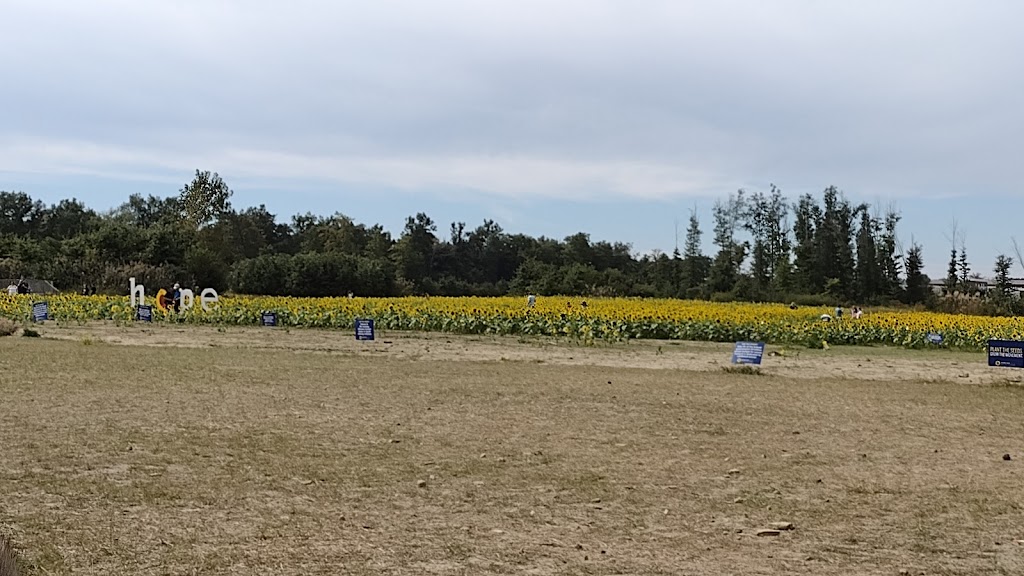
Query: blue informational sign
[
  {"x": 935, "y": 338},
  {"x": 748, "y": 353},
  {"x": 144, "y": 313},
  {"x": 268, "y": 318},
  {"x": 364, "y": 329},
  {"x": 1006, "y": 353},
  {"x": 40, "y": 311}
]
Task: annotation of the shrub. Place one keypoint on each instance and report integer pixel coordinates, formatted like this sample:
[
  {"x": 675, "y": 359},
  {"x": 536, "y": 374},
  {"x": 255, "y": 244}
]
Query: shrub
[{"x": 7, "y": 327}]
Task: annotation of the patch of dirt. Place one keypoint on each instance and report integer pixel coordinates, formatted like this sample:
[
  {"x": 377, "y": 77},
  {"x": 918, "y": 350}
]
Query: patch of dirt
[
  {"x": 857, "y": 363},
  {"x": 174, "y": 451}
]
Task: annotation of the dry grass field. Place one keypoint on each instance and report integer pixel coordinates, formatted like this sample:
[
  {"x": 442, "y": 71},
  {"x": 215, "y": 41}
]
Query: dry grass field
[{"x": 170, "y": 452}]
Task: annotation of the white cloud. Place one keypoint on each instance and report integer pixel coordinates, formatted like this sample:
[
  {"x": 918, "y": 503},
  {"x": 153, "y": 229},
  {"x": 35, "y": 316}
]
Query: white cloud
[
  {"x": 508, "y": 176},
  {"x": 570, "y": 99}
]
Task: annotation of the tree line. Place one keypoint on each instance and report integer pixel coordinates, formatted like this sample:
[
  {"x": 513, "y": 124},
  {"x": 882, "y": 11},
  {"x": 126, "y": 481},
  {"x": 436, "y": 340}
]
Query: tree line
[{"x": 767, "y": 248}]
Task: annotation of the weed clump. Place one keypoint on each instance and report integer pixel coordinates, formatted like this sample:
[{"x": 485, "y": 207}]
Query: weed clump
[
  {"x": 7, "y": 327},
  {"x": 744, "y": 369}
]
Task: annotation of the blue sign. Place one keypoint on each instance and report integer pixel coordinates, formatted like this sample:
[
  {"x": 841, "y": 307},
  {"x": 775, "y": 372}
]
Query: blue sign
[
  {"x": 144, "y": 313},
  {"x": 364, "y": 329},
  {"x": 935, "y": 338},
  {"x": 1006, "y": 353},
  {"x": 748, "y": 353},
  {"x": 268, "y": 318},
  {"x": 40, "y": 312}
]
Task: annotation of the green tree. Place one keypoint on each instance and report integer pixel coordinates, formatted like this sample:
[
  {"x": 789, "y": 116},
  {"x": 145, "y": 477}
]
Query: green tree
[
  {"x": 834, "y": 243},
  {"x": 808, "y": 276},
  {"x": 695, "y": 264},
  {"x": 1002, "y": 270},
  {"x": 149, "y": 211},
  {"x": 205, "y": 199},
  {"x": 19, "y": 214},
  {"x": 952, "y": 277},
  {"x": 964, "y": 272},
  {"x": 415, "y": 250},
  {"x": 917, "y": 283},
  {"x": 67, "y": 219},
  {"x": 889, "y": 257},
  {"x": 869, "y": 278},
  {"x": 765, "y": 217},
  {"x": 725, "y": 268}
]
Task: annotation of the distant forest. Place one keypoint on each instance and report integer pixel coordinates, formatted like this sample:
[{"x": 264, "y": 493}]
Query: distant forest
[{"x": 814, "y": 250}]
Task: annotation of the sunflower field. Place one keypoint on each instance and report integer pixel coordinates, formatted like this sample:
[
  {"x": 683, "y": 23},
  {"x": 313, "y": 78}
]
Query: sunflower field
[{"x": 598, "y": 319}]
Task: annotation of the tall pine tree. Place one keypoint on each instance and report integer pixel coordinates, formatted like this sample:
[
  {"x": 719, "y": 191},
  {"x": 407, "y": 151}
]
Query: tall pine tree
[
  {"x": 835, "y": 244},
  {"x": 917, "y": 282},
  {"x": 869, "y": 277},
  {"x": 952, "y": 277},
  {"x": 889, "y": 257},
  {"x": 695, "y": 264},
  {"x": 807, "y": 275}
]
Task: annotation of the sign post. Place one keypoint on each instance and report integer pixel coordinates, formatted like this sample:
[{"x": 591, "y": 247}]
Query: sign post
[
  {"x": 364, "y": 329},
  {"x": 268, "y": 318},
  {"x": 1007, "y": 353},
  {"x": 144, "y": 313},
  {"x": 748, "y": 353},
  {"x": 40, "y": 311}
]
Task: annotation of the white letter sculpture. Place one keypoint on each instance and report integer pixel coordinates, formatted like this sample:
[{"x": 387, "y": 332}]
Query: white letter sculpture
[
  {"x": 207, "y": 297},
  {"x": 188, "y": 299},
  {"x": 137, "y": 289}
]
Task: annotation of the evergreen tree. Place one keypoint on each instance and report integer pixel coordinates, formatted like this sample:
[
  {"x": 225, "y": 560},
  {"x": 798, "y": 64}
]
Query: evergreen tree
[
  {"x": 807, "y": 275},
  {"x": 869, "y": 277},
  {"x": 694, "y": 262},
  {"x": 964, "y": 270},
  {"x": 952, "y": 277},
  {"x": 835, "y": 244},
  {"x": 889, "y": 257},
  {"x": 917, "y": 283},
  {"x": 1002, "y": 270},
  {"x": 679, "y": 281}
]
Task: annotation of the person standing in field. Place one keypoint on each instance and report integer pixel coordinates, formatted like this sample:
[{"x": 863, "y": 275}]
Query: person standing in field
[{"x": 176, "y": 297}]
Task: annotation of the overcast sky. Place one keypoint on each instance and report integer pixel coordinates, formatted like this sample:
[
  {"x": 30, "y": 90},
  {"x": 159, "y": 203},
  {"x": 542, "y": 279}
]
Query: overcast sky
[{"x": 551, "y": 117}]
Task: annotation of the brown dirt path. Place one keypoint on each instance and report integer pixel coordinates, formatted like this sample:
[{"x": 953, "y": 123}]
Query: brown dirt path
[{"x": 858, "y": 363}]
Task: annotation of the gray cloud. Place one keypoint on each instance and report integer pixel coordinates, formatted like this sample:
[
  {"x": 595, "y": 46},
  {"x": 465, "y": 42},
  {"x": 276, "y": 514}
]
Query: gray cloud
[{"x": 568, "y": 99}]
